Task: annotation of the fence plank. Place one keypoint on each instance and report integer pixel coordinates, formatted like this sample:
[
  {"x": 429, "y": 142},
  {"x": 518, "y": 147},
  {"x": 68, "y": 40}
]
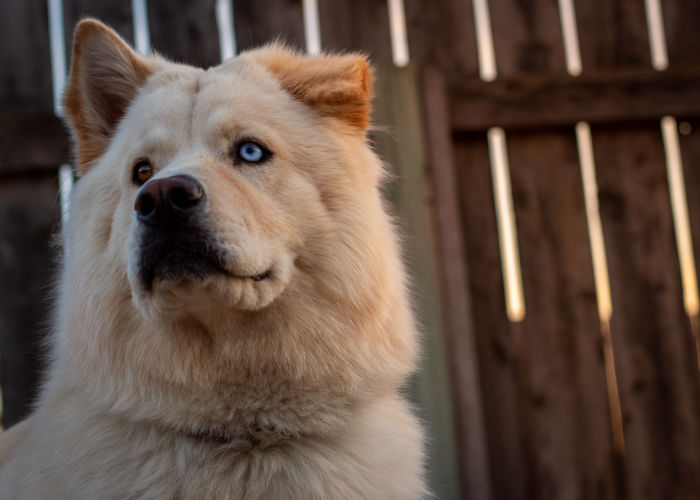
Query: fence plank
[
  {"x": 569, "y": 436},
  {"x": 527, "y": 37},
  {"x": 115, "y": 14},
  {"x": 655, "y": 355},
  {"x": 348, "y": 25},
  {"x": 613, "y": 35},
  {"x": 654, "y": 352},
  {"x": 185, "y": 31},
  {"x": 27, "y": 197},
  {"x": 25, "y": 72},
  {"x": 442, "y": 34},
  {"x": 690, "y": 155},
  {"x": 681, "y": 19},
  {"x": 496, "y": 337},
  {"x": 457, "y": 304},
  {"x": 261, "y": 22},
  {"x": 531, "y": 102},
  {"x": 399, "y": 142},
  {"x": 27, "y": 216}
]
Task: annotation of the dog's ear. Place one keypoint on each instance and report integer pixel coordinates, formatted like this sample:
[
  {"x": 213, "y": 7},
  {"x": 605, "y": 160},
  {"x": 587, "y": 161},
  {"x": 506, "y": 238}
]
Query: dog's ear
[
  {"x": 105, "y": 76},
  {"x": 335, "y": 85}
]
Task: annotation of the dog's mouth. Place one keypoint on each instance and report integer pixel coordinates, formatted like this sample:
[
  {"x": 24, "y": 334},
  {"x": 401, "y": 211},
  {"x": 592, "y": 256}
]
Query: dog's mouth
[{"x": 193, "y": 254}]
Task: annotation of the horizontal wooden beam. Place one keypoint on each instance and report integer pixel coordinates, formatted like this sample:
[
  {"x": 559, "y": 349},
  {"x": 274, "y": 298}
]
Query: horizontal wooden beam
[
  {"x": 32, "y": 141},
  {"x": 550, "y": 101}
]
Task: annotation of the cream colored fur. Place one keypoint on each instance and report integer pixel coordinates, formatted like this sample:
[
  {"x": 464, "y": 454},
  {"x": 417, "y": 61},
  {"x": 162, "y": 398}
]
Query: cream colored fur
[{"x": 225, "y": 387}]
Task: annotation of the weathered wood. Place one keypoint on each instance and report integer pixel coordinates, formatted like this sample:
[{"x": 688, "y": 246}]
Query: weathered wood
[
  {"x": 460, "y": 331},
  {"x": 398, "y": 139},
  {"x": 27, "y": 216},
  {"x": 690, "y": 156},
  {"x": 257, "y": 23},
  {"x": 681, "y": 19},
  {"x": 612, "y": 34},
  {"x": 25, "y": 72},
  {"x": 654, "y": 351},
  {"x": 32, "y": 141},
  {"x": 185, "y": 31},
  {"x": 531, "y": 102},
  {"x": 496, "y": 337},
  {"x": 442, "y": 34},
  {"x": 115, "y": 14},
  {"x": 27, "y": 207},
  {"x": 527, "y": 37},
  {"x": 348, "y": 25},
  {"x": 565, "y": 404}
]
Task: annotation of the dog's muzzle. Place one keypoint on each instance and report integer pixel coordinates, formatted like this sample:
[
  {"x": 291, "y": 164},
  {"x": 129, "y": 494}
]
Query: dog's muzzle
[{"x": 174, "y": 241}]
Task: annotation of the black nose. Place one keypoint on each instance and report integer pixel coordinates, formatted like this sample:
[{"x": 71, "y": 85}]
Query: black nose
[{"x": 169, "y": 199}]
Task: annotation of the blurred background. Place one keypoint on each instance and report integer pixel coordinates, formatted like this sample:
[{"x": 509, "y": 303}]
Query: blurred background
[{"x": 547, "y": 180}]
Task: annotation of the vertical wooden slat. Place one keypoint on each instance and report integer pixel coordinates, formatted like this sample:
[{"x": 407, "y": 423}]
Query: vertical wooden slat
[
  {"x": 613, "y": 35},
  {"x": 681, "y": 18},
  {"x": 185, "y": 31},
  {"x": 261, "y": 22},
  {"x": 561, "y": 394},
  {"x": 348, "y": 25},
  {"x": 398, "y": 140},
  {"x": 495, "y": 336},
  {"x": 527, "y": 37},
  {"x": 115, "y": 14},
  {"x": 442, "y": 34},
  {"x": 654, "y": 352},
  {"x": 460, "y": 332},
  {"x": 689, "y": 138},
  {"x": 27, "y": 216},
  {"x": 27, "y": 210},
  {"x": 25, "y": 72},
  {"x": 569, "y": 437}
]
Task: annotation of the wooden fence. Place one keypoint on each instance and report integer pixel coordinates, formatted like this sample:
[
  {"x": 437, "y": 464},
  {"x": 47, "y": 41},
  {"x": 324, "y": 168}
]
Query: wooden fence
[{"x": 553, "y": 403}]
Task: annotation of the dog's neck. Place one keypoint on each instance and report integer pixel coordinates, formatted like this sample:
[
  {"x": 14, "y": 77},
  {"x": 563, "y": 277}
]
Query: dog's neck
[{"x": 248, "y": 439}]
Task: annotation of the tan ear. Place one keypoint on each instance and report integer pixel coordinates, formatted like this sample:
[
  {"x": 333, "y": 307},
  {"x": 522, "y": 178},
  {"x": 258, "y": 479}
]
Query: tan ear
[
  {"x": 335, "y": 85},
  {"x": 104, "y": 78}
]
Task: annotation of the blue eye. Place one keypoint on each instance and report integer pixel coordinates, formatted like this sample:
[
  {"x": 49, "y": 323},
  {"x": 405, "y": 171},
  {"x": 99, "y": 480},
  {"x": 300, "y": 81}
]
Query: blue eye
[{"x": 251, "y": 152}]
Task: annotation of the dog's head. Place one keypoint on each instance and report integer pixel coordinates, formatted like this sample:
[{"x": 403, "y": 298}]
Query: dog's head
[{"x": 227, "y": 225}]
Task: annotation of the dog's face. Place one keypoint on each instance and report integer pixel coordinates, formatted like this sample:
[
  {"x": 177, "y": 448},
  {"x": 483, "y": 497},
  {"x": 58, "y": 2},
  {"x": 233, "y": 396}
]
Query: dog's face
[{"x": 228, "y": 223}]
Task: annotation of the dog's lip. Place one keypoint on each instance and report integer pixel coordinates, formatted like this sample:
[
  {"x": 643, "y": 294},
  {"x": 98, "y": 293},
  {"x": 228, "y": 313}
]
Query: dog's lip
[
  {"x": 221, "y": 267},
  {"x": 254, "y": 277}
]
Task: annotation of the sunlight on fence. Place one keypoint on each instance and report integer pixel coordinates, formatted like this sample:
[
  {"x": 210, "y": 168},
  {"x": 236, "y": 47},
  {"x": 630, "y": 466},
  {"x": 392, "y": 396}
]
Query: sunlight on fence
[
  {"x": 507, "y": 235},
  {"x": 397, "y": 31},
  {"x": 572, "y": 52},
  {"x": 224, "y": 23},
  {"x": 484, "y": 41},
  {"x": 498, "y": 154},
  {"x": 657, "y": 36},
  {"x": 312, "y": 27},
  {"x": 142, "y": 35}
]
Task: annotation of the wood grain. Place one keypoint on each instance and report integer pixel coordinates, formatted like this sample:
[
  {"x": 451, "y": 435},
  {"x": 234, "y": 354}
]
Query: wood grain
[
  {"x": 257, "y": 23},
  {"x": 565, "y": 403},
  {"x": 185, "y": 31},
  {"x": 654, "y": 351},
  {"x": 461, "y": 336},
  {"x": 348, "y": 25},
  {"x": 532, "y": 102},
  {"x": 28, "y": 213}
]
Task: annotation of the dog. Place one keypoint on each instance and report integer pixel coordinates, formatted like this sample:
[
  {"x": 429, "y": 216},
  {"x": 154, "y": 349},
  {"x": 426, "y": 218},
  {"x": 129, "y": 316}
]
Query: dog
[{"x": 232, "y": 315}]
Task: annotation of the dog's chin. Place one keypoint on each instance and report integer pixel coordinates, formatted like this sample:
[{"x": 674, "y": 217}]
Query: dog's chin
[{"x": 208, "y": 293}]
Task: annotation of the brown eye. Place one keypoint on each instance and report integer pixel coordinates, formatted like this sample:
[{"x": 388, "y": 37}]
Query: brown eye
[{"x": 143, "y": 170}]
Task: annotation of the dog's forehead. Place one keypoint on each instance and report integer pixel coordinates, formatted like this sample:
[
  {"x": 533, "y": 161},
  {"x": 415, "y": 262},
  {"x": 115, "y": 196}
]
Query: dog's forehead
[{"x": 192, "y": 101}]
